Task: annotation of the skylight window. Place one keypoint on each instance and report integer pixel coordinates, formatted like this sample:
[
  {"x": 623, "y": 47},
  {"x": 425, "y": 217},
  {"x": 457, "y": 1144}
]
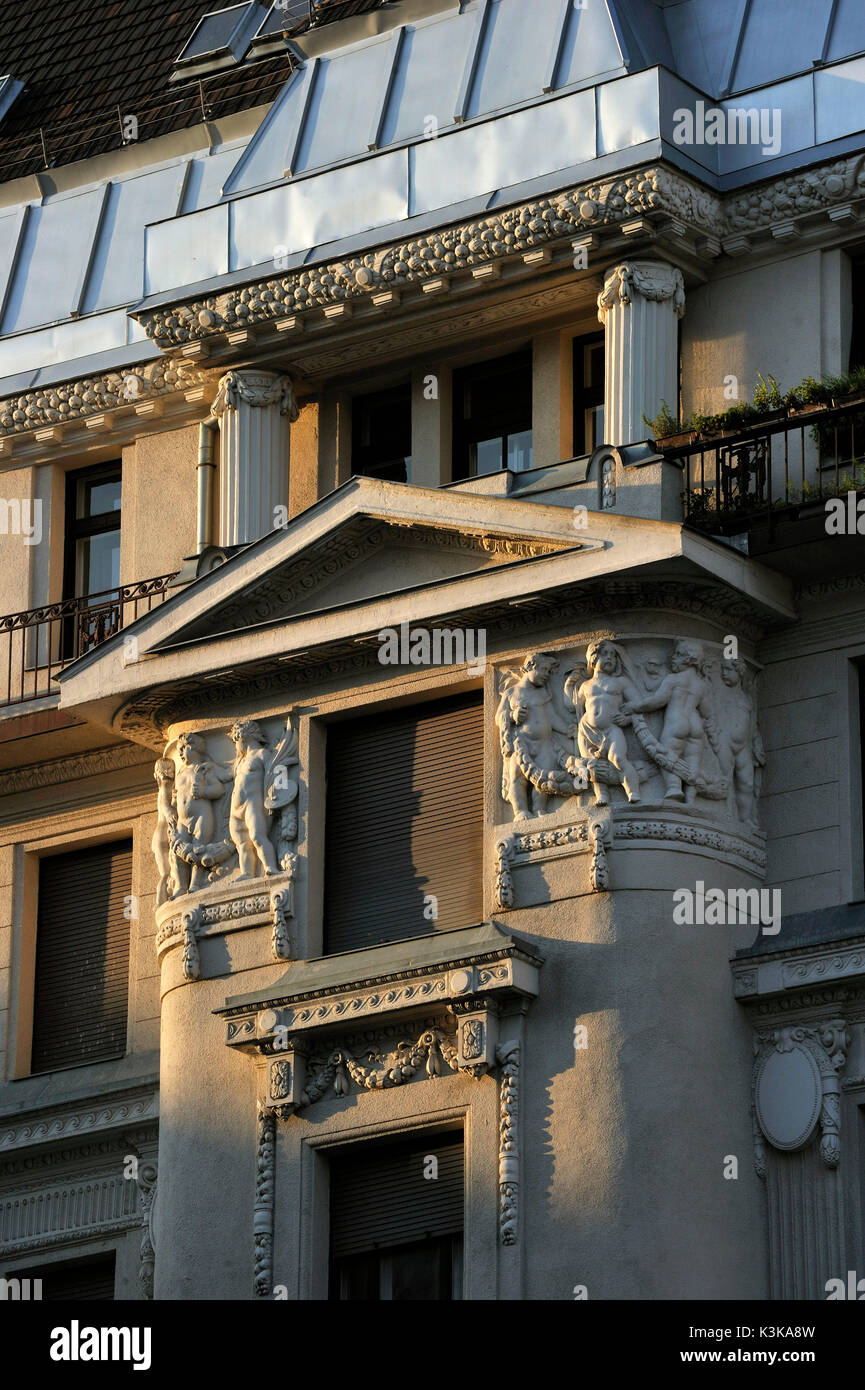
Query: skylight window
[
  {"x": 9, "y": 89},
  {"x": 281, "y": 18},
  {"x": 219, "y": 40}
]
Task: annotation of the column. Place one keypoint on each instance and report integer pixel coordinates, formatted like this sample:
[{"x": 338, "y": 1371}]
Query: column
[
  {"x": 255, "y": 410},
  {"x": 640, "y": 307}
]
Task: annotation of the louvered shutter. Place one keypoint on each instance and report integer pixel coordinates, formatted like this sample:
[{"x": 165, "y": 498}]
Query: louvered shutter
[
  {"x": 404, "y": 820},
  {"x": 89, "y": 1278},
  {"x": 381, "y": 1198},
  {"x": 82, "y": 957}
]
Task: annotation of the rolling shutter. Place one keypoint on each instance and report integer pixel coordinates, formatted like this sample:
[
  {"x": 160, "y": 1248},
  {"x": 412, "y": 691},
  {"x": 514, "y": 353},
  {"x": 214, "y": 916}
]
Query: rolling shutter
[
  {"x": 82, "y": 957},
  {"x": 404, "y": 820},
  {"x": 90, "y": 1278},
  {"x": 381, "y": 1198}
]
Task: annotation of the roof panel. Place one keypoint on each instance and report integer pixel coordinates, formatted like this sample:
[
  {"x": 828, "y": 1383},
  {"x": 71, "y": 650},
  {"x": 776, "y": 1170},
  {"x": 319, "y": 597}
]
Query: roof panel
[
  {"x": 589, "y": 47},
  {"x": 427, "y": 78},
  {"x": 347, "y": 91},
  {"x": 514, "y": 54},
  {"x": 774, "y": 47}
]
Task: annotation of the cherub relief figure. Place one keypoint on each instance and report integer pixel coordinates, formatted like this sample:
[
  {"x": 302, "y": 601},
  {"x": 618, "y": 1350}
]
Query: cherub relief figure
[
  {"x": 740, "y": 747},
  {"x": 601, "y": 740},
  {"x": 528, "y": 721},
  {"x": 685, "y": 695},
  {"x": 261, "y": 786},
  {"x": 199, "y": 785},
  {"x": 163, "y": 771}
]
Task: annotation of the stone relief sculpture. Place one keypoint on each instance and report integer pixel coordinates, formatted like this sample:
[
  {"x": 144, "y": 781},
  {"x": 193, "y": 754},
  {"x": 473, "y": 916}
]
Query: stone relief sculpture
[
  {"x": 740, "y": 750},
  {"x": 602, "y": 742},
  {"x": 528, "y": 721},
  {"x": 685, "y": 695},
  {"x": 650, "y": 721},
  {"x": 261, "y": 787},
  {"x": 219, "y": 818}
]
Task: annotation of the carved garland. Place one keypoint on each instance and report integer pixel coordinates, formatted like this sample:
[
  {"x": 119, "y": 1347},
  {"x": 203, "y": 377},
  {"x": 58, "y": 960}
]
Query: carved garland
[
  {"x": 508, "y": 1055},
  {"x": 265, "y": 1177},
  {"x": 76, "y": 400},
  {"x": 470, "y": 1053},
  {"x": 147, "y": 1175},
  {"x": 441, "y": 252}
]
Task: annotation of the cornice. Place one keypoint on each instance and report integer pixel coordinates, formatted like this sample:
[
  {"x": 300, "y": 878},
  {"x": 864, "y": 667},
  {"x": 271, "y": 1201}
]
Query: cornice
[
  {"x": 61, "y": 770},
  {"x": 431, "y": 260},
  {"x": 45, "y": 1126},
  {"x": 139, "y": 391},
  {"x": 641, "y": 203}
]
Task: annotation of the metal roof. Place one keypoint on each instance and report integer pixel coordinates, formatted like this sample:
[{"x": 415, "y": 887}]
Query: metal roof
[{"x": 451, "y": 103}]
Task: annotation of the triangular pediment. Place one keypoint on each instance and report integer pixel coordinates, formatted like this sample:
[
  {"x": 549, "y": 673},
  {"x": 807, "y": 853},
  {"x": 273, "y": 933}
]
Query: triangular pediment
[
  {"x": 315, "y": 596},
  {"x": 365, "y": 556}
]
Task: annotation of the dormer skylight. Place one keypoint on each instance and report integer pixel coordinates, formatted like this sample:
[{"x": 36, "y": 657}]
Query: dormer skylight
[
  {"x": 9, "y": 89},
  {"x": 219, "y": 40}
]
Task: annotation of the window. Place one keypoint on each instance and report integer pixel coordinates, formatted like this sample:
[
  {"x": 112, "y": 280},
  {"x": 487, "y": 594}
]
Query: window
[
  {"x": 395, "y": 1230},
  {"x": 82, "y": 957},
  {"x": 92, "y": 530},
  {"x": 89, "y": 1278},
  {"x": 588, "y": 393},
  {"x": 492, "y": 416},
  {"x": 381, "y": 434},
  {"x": 92, "y": 558},
  {"x": 404, "y": 824}
]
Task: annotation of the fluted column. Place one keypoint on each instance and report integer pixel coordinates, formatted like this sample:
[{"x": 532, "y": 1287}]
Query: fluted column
[
  {"x": 640, "y": 307},
  {"x": 255, "y": 410}
]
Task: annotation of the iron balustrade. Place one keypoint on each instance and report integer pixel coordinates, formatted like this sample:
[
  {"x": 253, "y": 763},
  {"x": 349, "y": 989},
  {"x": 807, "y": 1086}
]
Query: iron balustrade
[
  {"x": 752, "y": 474},
  {"x": 41, "y": 641}
]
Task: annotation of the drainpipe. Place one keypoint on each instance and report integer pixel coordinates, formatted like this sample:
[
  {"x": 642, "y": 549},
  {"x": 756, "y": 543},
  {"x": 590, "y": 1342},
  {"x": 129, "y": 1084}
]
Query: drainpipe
[{"x": 208, "y": 432}]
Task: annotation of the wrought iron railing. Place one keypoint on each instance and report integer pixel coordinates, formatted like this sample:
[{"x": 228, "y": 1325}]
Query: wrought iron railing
[
  {"x": 41, "y": 641},
  {"x": 758, "y": 473}
]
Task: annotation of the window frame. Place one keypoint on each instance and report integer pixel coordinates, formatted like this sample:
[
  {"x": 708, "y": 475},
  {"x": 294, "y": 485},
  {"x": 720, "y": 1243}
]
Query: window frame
[{"x": 466, "y": 435}]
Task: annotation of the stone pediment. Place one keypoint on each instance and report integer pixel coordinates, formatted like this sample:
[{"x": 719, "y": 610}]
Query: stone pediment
[
  {"x": 365, "y": 557},
  {"x": 309, "y": 601}
]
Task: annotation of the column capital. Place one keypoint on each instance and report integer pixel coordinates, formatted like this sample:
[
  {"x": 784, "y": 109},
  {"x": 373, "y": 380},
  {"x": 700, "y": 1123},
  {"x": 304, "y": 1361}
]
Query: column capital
[
  {"x": 255, "y": 388},
  {"x": 653, "y": 280}
]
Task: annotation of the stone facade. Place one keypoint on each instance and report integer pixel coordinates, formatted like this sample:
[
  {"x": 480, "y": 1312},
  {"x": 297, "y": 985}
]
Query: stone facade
[{"x": 654, "y": 1039}]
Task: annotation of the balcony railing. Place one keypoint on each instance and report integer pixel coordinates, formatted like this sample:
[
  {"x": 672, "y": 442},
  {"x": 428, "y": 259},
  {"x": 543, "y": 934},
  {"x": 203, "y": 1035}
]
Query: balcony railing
[
  {"x": 41, "y": 641},
  {"x": 757, "y": 474}
]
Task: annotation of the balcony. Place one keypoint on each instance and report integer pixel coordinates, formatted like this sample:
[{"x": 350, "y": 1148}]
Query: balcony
[
  {"x": 38, "y": 643},
  {"x": 766, "y": 476}
]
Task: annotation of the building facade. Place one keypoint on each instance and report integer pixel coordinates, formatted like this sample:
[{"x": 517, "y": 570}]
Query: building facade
[{"x": 431, "y": 439}]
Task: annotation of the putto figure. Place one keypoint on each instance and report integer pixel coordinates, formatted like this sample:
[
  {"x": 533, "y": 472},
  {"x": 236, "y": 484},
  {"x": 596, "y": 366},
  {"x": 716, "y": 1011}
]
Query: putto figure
[
  {"x": 261, "y": 786},
  {"x": 740, "y": 747},
  {"x": 163, "y": 771},
  {"x": 602, "y": 742},
  {"x": 686, "y": 697},
  {"x": 528, "y": 721},
  {"x": 199, "y": 786}
]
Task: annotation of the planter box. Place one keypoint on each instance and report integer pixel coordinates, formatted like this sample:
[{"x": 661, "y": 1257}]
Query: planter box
[{"x": 677, "y": 441}]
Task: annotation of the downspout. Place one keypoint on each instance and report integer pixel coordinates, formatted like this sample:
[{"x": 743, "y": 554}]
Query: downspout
[{"x": 208, "y": 431}]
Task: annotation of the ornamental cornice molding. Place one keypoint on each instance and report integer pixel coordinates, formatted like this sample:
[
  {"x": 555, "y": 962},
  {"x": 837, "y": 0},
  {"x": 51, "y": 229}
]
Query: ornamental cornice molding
[
  {"x": 71, "y": 1122},
  {"x": 466, "y": 980},
  {"x": 86, "y": 397},
  {"x": 437, "y": 255},
  {"x": 59, "y": 770},
  {"x": 827, "y": 965}
]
